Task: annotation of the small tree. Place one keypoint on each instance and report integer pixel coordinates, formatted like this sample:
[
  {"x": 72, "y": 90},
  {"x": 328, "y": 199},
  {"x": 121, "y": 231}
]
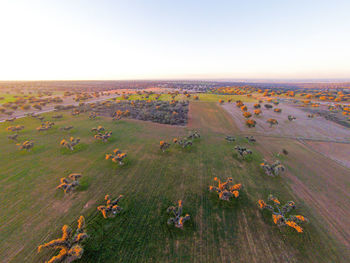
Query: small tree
[
  {"x": 225, "y": 190},
  {"x": 273, "y": 169},
  {"x": 194, "y": 135},
  {"x": 45, "y": 126},
  {"x": 268, "y": 106},
  {"x": 184, "y": 143},
  {"x": 291, "y": 118},
  {"x": 69, "y": 245},
  {"x": 247, "y": 114},
  {"x": 272, "y": 122},
  {"x": 70, "y": 183},
  {"x": 27, "y": 145},
  {"x": 103, "y": 136},
  {"x": 280, "y": 214},
  {"x": 164, "y": 145},
  {"x": 242, "y": 151},
  {"x": 177, "y": 220},
  {"x": 230, "y": 138},
  {"x": 92, "y": 115},
  {"x": 250, "y": 138},
  {"x": 111, "y": 208},
  {"x": 257, "y": 112},
  {"x": 117, "y": 156},
  {"x": 257, "y": 106},
  {"x": 67, "y": 128},
  {"x": 13, "y": 137},
  {"x": 15, "y": 128},
  {"x": 250, "y": 123},
  {"x": 71, "y": 143},
  {"x": 98, "y": 129}
]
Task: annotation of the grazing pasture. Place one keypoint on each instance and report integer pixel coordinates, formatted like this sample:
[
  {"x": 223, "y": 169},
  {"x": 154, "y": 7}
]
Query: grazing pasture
[{"x": 33, "y": 210}]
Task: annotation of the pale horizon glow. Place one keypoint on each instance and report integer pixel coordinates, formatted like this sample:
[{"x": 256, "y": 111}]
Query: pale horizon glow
[{"x": 134, "y": 39}]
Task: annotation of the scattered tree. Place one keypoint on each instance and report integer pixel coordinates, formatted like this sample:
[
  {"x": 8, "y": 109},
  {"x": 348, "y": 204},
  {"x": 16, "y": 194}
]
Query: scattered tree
[
  {"x": 13, "y": 137},
  {"x": 15, "y": 128},
  {"x": 103, "y": 136},
  {"x": 98, "y": 129},
  {"x": 250, "y": 138},
  {"x": 67, "y": 128},
  {"x": 70, "y": 183},
  {"x": 27, "y": 145},
  {"x": 273, "y": 169},
  {"x": 242, "y": 151},
  {"x": 164, "y": 145},
  {"x": 224, "y": 190},
  {"x": 272, "y": 122},
  {"x": 71, "y": 143},
  {"x": 280, "y": 214},
  {"x": 69, "y": 245},
  {"x": 177, "y": 220},
  {"x": 291, "y": 118},
  {"x": 117, "y": 156},
  {"x": 230, "y": 138},
  {"x": 111, "y": 208},
  {"x": 250, "y": 123}
]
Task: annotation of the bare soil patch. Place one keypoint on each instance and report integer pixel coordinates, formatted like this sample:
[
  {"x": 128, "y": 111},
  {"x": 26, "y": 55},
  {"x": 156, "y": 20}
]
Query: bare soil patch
[
  {"x": 304, "y": 127},
  {"x": 339, "y": 152}
]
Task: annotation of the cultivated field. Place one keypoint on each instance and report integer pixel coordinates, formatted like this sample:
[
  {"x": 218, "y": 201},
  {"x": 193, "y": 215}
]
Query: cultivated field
[
  {"x": 33, "y": 211},
  {"x": 304, "y": 127}
]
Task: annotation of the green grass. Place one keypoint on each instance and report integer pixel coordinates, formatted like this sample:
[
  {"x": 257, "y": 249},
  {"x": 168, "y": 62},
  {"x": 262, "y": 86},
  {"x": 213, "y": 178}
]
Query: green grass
[
  {"x": 6, "y": 98},
  {"x": 150, "y": 181}
]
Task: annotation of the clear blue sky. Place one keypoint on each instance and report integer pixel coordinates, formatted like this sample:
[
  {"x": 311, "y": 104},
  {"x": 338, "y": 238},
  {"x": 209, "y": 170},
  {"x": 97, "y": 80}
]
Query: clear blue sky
[{"x": 69, "y": 39}]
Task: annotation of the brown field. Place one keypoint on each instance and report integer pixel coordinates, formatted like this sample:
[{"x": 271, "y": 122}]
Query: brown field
[
  {"x": 339, "y": 152},
  {"x": 303, "y": 127}
]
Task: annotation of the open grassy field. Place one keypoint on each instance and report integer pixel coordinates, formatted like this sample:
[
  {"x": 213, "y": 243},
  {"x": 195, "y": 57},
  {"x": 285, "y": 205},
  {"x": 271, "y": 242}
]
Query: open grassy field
[
  {"x": 33, "y": 211},
  {"x": 6, "y": 98}
]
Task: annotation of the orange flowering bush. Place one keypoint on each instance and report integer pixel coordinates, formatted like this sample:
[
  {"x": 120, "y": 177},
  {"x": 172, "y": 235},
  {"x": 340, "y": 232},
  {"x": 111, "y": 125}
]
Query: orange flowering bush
[
  {"x": 257, "y": 106},
  {"x": 71, "y": 143},
  {"x": 250, "y": 123},
  {"x": 224, "y": 190},
  {"x": 280, "y": 214},
  {"x": 111, "y": 208},
  {"x": 103, "y": 136},
  {"x": 244, "y": 108},
  {"x": 70, "y": 183},
  {"x": 221, "y": 101},
  {"x": 272, "y": 122},
  {"x": 27, "y": 145},
  {"x": 117, "y": 156},
  {"x": 278, "y": 110},
  {"x": 239, "y": 103},
  {"x": 164, "y": 145},
  {"x": 257, "y": 112},
  {"x": 247, "y": 114},
  {"x": 69, "y": 245}
]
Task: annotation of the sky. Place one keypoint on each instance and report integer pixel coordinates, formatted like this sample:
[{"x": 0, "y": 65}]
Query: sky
[{"x": 167, "y": 39}]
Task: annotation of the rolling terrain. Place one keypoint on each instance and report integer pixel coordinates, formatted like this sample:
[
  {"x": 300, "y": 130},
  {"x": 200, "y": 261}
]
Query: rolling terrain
[{"x": 33, "y": 211}]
